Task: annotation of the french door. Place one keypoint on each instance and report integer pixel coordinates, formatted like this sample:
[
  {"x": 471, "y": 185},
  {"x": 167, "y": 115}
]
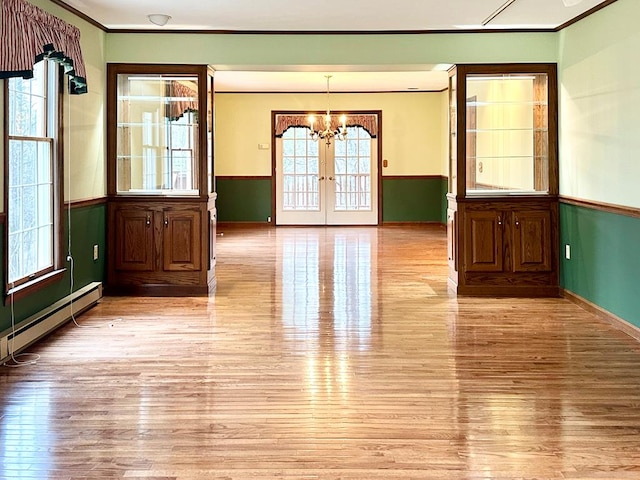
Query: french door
[{"x": 320, "y": 184}]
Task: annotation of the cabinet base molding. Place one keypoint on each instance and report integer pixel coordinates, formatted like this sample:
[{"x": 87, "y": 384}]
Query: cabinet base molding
[
  {"x": 504, "y": 291},
  {"x": 158, "y": 290},
  {"x": 604, "y": 315}
]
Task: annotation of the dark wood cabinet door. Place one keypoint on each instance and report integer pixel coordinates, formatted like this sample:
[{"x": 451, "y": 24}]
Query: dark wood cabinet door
[
  {"x": 134, "y": 245},
  {"x": 483, "y": 241},
  {"x": 532, "y": 241},
  {"x": 181, "y": 248}
]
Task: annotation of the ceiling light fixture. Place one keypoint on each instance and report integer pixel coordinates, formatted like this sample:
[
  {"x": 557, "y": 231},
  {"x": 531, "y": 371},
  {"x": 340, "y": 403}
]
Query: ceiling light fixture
[
  {"x": 159, "y": 19},
  {"x": 498, "y": 11},
  {"x": 327, "y": 133}
]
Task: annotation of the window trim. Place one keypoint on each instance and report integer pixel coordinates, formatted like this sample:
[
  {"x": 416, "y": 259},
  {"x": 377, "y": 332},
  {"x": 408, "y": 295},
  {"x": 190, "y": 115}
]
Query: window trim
[{"x": 46, "y": 277}]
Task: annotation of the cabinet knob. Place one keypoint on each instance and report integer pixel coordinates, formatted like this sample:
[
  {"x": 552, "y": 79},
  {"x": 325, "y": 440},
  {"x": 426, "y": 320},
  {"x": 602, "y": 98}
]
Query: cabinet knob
[
  {"x": 321, "y": 178},
  {"x": 330, "y": 178},
  {"x": 517, "y": 223},
  {"x": 166, "y": 221},
  {"x": 148, "y": 220},
  {"x": 499, "y": 220}
]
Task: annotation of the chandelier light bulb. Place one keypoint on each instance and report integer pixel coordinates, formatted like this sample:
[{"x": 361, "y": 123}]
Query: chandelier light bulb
[{"x": 327, "y": 134}]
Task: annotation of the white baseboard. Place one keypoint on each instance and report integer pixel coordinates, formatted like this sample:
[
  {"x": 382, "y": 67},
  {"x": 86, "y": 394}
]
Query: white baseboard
[{"x": 35, "y": 327}]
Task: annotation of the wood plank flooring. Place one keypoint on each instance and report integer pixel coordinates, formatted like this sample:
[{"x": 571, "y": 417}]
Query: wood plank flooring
[{"x": 326, "y": 353}]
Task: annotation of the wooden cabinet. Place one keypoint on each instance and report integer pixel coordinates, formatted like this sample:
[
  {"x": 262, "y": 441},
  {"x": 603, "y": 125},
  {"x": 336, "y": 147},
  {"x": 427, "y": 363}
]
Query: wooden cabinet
[
  {"x": 159, "y": 248},
  {"x": 502, "y": 216},
  {"x": 507, "y": 248},
  {"x": 161, "y": 198},
  {"x": 521, "y": 237}
]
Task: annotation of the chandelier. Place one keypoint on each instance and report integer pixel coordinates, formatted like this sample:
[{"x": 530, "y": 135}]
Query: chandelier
[{"x": 326, "y": 132}]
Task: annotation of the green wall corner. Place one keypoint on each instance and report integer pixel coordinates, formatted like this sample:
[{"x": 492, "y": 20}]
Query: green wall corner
[
  {"x": 414, "y": 199},
  {"x": 604, "y": 263},
  {"x": 243, "y": 199},
  {"x": 88, "y": 228},
  {"x": 404, "y": 200}
]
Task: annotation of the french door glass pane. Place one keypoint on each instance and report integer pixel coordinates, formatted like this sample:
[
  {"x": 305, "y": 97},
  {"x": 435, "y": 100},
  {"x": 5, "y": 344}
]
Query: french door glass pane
[
  {"x": 301, "y": 171},
  {"x": 353, "y": 171}
]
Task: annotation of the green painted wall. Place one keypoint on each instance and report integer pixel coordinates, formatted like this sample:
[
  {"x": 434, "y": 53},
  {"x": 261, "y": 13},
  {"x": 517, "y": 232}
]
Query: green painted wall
[
  {"x": 605, "y": 263},
  {"x": 366, "y": 49},
  {"x": 403, "y": 200},
  {"x": 413, "y": 199},
  {"x": 243, "y": 199},
  {"x": 88, "y": 229}
]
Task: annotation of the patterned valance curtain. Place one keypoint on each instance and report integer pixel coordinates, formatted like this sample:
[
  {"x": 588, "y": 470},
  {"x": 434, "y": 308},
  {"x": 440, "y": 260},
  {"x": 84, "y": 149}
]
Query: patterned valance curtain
[
  {"x": 368, "y": 122},
  {"x": 29, "y": 35},
  {"x": 183, "y": 99}
]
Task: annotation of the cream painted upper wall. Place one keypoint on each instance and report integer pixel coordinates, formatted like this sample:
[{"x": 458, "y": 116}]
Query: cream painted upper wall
[
  {"x": 84, "y": 116},
  {"x": 599, "y": 88},
  {"x": 237, "y": 49},
  {"x": 412, "y": 137}
]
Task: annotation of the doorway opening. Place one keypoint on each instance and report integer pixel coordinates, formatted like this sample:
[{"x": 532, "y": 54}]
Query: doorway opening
[{"x": 326, "y": 183}]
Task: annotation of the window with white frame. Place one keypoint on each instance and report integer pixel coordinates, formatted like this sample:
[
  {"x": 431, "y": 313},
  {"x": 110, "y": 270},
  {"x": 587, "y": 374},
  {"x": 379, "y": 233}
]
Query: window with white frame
[{"x": 32, "y": 168}]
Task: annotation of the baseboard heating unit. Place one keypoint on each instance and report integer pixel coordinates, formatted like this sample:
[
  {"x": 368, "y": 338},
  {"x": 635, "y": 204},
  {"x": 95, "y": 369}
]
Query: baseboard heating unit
[{"x": 37, "y": 326}]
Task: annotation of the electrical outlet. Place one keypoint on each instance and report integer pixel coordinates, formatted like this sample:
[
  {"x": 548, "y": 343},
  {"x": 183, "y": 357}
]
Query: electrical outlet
[
  {"x": 567, "y": 252},
  {"x": 269, "y": 219},
  {"x": 95, "y": 252}
]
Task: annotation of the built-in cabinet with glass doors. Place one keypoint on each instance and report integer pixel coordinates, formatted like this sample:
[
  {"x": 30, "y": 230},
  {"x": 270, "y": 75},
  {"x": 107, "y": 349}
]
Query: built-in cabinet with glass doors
[
  {"x": 161, "y": 199},
  {"x": 502, "y": 216}
]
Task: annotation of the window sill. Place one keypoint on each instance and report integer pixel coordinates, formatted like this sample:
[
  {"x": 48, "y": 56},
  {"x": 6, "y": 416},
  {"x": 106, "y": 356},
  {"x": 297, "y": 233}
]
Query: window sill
[{"x": 34, "y": 285}]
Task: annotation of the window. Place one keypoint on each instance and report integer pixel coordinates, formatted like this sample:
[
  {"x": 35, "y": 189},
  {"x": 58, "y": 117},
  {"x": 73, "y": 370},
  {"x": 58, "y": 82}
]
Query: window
[
  {"x": 181, "y": 137},
  {"x": 32, "y": 166}
]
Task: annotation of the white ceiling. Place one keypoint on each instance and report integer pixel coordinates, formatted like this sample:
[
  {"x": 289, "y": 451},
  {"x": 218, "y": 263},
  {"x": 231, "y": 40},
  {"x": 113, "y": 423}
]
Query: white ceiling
[
  {"x": 331, "y": 16},
  {"x": 313, "y": 79}
]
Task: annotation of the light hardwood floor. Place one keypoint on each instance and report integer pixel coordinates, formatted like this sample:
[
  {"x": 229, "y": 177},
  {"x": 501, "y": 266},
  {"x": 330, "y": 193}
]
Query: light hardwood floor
[{"x": 326, "y": 353}]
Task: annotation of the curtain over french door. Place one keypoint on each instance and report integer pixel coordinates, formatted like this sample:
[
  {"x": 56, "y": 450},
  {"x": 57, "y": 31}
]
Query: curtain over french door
[{"x": 320, "y": 184}]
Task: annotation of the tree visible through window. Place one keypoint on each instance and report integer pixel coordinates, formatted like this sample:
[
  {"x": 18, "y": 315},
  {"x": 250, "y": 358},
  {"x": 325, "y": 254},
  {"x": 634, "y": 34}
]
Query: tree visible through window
[{"x": 31, "y": 167}]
